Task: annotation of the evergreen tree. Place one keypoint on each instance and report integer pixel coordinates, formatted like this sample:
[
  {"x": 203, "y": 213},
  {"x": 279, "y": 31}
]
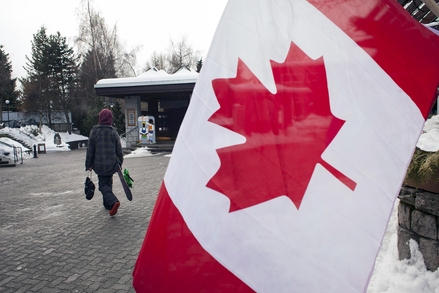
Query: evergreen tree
[
  {"x": 31, "y": 97},
  {"x": 92, "y": 117},
  {"x": 63, "y": 73},
  {"x": 89, "y": 74},
  {"x": 118, "y": 118},
  {"x": 87, "y": 77},
  {"x": 37, "y": 94},
  {"x": 51, "y": 77},
  {"x": 7, "y": 83}
]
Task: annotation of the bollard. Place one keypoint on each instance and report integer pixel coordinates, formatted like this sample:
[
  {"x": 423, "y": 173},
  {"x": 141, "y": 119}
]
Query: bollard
[{"x": 35, "y": 151}]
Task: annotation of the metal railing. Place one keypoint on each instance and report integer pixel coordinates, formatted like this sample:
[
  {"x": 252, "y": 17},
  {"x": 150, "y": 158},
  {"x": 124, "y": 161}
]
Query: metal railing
[
  {"x": 29, "y": 136},
  {"x": 129, "y": 131},
  {"x": 30, "y": 139},
  {"x": 17, "y": 152}
]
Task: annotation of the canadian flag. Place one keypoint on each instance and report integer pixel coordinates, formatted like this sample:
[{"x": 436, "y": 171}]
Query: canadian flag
[{"x": 294, "y": 147}]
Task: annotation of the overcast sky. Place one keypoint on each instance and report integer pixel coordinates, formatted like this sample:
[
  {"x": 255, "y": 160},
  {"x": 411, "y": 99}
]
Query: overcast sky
[{"x": 146, "y": 23}]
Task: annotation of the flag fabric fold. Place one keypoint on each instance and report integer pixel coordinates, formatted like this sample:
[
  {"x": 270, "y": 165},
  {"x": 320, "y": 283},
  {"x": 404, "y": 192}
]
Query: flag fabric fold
[{"x": 293, "y": 149}]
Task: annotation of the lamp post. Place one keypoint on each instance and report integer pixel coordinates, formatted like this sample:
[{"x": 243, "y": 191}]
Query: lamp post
[{"x": 7, "y": 103}]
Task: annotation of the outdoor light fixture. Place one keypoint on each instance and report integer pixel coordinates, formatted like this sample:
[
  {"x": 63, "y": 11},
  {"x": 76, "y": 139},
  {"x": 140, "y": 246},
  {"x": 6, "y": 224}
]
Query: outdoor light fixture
[{"x": 7, "y": 103}]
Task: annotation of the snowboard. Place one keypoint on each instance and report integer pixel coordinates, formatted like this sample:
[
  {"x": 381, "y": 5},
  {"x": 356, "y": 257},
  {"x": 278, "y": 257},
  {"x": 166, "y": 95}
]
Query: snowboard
[{"x": 124, "y": 185}]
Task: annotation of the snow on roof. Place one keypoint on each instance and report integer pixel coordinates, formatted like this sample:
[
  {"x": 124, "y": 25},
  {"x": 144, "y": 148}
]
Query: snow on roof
[{"x": 151, "y": 77}]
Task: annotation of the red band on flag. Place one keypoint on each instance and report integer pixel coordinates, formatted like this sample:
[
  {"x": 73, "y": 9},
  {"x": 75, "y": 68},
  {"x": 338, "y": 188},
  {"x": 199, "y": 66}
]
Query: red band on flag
[
  {"x": 172, "y": 260},
  {"x": 363, "y": 28}
]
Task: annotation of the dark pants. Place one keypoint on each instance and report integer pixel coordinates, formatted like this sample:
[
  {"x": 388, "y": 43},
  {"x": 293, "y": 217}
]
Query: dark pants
[{"x": 106, "y": 188}]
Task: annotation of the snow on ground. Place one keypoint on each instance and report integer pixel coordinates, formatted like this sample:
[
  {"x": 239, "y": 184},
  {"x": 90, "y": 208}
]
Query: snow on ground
[
  {"x": 30, "y": 136},
  {"x": 139, "y": 152},
  {"x": 47, "y": 135},
  {"x": 27, "y": 135},
  {"x": 407, "y": 276},
  {"x": 14, "y": 143},
  {"x": 429, "y": 140},
  {"x": 390, "y": 275}
]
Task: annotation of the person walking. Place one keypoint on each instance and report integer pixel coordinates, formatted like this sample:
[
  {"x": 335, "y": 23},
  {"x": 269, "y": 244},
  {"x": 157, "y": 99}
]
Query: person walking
[{"x": 104, "y": 156}]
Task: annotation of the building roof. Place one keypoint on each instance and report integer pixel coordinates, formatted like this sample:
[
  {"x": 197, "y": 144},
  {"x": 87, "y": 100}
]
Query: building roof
[{"x": 151, "y": 81}]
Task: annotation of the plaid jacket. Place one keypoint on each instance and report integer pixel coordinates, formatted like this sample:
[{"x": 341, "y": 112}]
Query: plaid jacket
[{"x": 104, "y": 151}]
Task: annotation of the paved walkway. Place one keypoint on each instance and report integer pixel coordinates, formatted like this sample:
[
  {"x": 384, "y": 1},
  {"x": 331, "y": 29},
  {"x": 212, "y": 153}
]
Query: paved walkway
[{"x": 53, "y": 240}]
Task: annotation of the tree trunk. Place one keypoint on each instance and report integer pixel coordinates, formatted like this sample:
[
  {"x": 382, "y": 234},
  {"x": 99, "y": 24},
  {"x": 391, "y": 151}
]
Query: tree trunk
[
  {"x": 41, "y": 121},
  {"x": 69, "y": 124}
]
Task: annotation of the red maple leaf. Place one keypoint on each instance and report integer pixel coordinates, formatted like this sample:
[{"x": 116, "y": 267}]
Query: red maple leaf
[{"x": 285, "y": 132}]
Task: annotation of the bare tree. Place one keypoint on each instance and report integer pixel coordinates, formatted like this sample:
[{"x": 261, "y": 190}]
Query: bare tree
[
  {"x": 157, "y": 60},
  {"x": 102, "y": 56},
  {"x": 95, "y": 36},
  {"x": 179, "y": 54}
]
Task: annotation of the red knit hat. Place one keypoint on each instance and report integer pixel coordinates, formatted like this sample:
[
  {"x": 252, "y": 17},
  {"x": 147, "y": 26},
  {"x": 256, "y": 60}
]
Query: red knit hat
[{"x": 105, "y": 117}]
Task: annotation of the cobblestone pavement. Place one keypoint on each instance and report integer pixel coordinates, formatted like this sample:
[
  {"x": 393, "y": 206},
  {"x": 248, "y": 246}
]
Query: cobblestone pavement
[{"x": 53, "y": 240}]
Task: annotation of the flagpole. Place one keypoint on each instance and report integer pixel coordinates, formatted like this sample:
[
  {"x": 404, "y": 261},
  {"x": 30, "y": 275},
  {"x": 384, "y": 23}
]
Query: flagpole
[{"x": 433, "y": 6}]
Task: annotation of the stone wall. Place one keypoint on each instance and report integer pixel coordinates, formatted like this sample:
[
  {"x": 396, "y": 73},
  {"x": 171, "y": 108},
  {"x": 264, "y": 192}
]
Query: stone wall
[{"x": 418, "y": 219}]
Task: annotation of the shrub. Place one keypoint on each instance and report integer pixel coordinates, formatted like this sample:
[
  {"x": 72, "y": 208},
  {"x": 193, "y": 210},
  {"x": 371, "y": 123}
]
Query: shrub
[
  {"x": 34, "y": 131},
  {"x": 424, "y": 166}
]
